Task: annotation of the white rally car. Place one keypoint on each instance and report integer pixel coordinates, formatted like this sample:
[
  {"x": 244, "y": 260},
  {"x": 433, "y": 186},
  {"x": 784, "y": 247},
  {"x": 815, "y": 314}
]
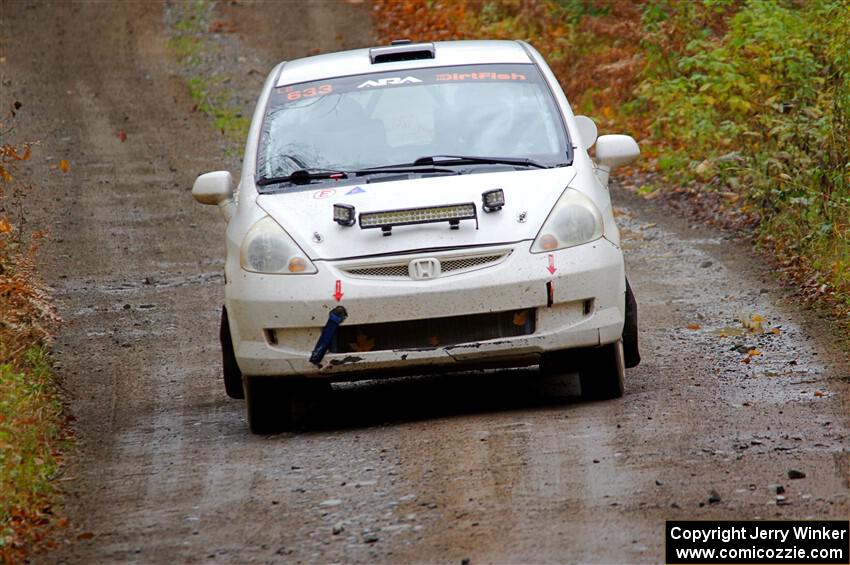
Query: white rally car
[{"x": 419, "y": 207}]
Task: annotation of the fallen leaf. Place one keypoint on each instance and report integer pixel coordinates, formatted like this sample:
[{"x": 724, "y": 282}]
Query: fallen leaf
[
  {"x": 5, "y": 226},
  {"x": 818, "y": 393},
  {"x": 85, "y": 535},
  {"x": 753, "y": 352},
  {"x": 519, "y": 318},
  {"x": 122, "y": 136},
  {"x": 15, "y": 154},
  {"x": 775, "y": 331},
  {"x": 63, "y": 165},
  {"x": 694, "y": 326},
  {"x": 362, "y": 343},
  {"x": 221, "y": 26}
]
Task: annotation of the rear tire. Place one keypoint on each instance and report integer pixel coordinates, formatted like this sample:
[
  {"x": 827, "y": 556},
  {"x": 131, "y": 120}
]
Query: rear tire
[
  {"x": 232, "y": 374},
  {"x": 630, "y": 330},
  {"x": 602, "y": 372}
]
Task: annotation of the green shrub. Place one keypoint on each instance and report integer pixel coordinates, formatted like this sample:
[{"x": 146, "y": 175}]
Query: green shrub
[{"x": 755, "y": 98}]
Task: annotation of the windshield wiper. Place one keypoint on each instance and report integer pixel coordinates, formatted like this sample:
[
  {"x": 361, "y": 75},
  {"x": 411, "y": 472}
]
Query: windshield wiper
[
  {"x": 404, "y": 168},
  {"x": 303, "y": 176},
  {"x": 474, "y": 159}
]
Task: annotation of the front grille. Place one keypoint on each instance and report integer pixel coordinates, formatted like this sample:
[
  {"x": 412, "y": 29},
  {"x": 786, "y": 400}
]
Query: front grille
[
  {"x": 464, "y": 263},
  {"x": 381, "y": 272},
  {"x": 453, "y": 265},
  {"x": 433, "y": 333}
]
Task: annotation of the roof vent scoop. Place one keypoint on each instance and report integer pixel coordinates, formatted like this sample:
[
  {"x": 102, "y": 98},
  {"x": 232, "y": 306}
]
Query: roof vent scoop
[{"x": 402, "y": 50}]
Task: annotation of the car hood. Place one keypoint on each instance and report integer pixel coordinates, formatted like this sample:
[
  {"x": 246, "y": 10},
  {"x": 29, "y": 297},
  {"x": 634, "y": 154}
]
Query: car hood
[{"x": 308, "y": 215}]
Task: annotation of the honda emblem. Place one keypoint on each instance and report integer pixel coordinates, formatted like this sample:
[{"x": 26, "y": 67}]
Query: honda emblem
[{"x": 421, "y": 269}]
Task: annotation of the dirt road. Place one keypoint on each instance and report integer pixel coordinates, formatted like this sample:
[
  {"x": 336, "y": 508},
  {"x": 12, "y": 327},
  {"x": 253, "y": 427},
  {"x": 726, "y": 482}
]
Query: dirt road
[{"x": 493, "y": 467}]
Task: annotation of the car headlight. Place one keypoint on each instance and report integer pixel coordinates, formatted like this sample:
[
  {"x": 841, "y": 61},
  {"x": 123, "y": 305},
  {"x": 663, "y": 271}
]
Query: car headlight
[
  {"x": 574, "y": 220},
  {"x": 268, "y": 249}
]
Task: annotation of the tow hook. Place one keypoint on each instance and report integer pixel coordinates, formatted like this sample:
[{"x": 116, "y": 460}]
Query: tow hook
[{"x": 335, "y": 318}]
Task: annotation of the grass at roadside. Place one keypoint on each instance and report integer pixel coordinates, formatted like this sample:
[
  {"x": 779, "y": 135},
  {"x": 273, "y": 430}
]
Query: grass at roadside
[
  {"x": 742, "y": 108},
  {"x": 31, "y": 443},
  {"x": 191, "y": 44},
  {"x": 32, "y": 431},
  {"x": 213, "y": 99}
]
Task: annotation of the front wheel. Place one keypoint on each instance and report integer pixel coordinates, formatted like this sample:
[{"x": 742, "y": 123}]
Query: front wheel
[
  {"x": 267, "y": 404},
  {"x": 631, "y": 350},
  {"x": 232, "y": 374},
  {"x": 275, "y": 404},
  {"x": 602, "y": 372}
]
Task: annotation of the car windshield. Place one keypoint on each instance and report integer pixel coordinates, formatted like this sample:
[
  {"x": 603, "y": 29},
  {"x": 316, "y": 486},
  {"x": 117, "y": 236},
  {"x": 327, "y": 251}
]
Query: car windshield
[{"x": 357, "y": 122}]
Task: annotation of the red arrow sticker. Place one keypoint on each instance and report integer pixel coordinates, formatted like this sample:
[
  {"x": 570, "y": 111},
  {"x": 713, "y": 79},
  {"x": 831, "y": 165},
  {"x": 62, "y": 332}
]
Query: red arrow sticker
[
  {"x": 338, "y": 292},
  {"x": 551, "y": 268}
]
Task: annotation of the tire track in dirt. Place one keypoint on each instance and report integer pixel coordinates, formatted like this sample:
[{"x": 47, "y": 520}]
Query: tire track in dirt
[{"x": 119, "y": 222}]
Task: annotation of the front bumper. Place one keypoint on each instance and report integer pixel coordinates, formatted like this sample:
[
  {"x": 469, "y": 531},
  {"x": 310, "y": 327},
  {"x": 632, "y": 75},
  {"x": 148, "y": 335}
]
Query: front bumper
[{"x": 277, "y": 319}]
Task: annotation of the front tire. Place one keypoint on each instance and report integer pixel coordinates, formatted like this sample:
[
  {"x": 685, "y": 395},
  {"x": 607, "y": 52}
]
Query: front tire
[
  {"x": 230, "y": 369},
  {"x": 630, "y": 330},
  {"x": 275, "y": 404},
  {"x": 267, "y": 404},
  {"x": 602, "y": 372}
]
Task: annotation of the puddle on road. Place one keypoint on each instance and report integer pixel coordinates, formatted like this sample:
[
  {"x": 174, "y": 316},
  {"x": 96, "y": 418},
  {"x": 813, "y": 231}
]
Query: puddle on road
[
  {"x": 730, "y": 331},
  {"x": 700, "y": 302}
]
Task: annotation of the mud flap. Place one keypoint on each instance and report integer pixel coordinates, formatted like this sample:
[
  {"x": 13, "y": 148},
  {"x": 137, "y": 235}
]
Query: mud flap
[{"x": 335, "y": 318}]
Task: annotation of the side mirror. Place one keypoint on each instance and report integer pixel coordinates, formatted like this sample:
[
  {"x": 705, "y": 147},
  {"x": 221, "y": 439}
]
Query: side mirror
[
  {"x": 586, "y": 131},
  {"x": 215, "y": 188},
  {"x": 616, "y": 150}
]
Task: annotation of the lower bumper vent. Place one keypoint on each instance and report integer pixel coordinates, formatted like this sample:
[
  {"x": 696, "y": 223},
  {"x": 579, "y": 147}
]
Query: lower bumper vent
[{"x": 433, "y": 333}]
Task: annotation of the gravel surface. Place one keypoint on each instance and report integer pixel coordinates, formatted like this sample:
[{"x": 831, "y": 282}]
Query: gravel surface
[{"x": 489, "y": 466}]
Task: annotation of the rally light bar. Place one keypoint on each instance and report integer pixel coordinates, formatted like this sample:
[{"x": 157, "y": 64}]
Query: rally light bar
[{"x": 451, "y": 213}]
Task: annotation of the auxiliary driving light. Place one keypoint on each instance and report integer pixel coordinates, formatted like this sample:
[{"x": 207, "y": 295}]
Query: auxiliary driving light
[
  {"x": 344, "y": 214},
  {"x": 493, "y": 200},
  {"x": 451, "y": 213}
]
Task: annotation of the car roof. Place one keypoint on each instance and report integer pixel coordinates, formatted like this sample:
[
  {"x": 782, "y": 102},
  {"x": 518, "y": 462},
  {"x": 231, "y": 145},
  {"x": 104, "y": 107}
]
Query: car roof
[{"x": 358, "y": 61}]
